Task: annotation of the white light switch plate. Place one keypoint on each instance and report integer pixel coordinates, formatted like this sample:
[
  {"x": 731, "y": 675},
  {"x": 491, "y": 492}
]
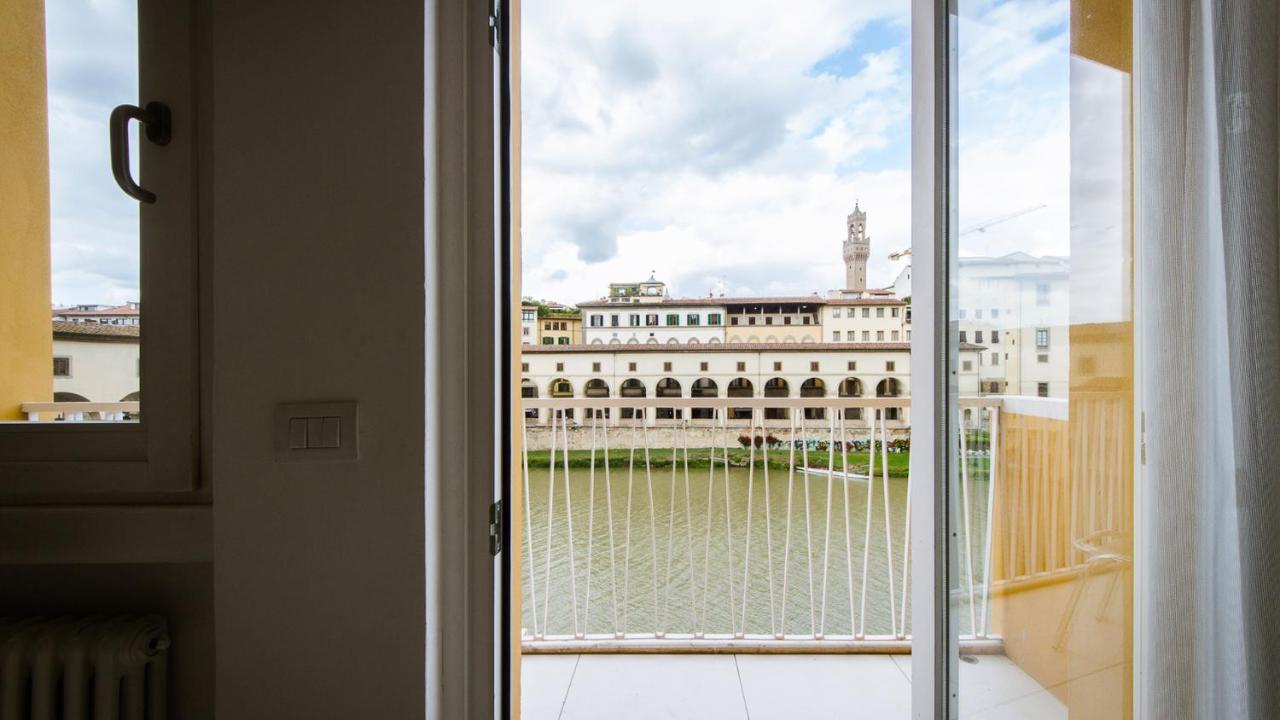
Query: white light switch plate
[{"x": 316, "y": 432}]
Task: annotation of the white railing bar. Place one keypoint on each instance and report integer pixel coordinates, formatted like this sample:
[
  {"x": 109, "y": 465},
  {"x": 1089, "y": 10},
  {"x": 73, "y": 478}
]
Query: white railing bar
[
  {"x": 626, "y": 553},
  {"x": 551, "y": 501},
  {"x": 866, "y": 540},
  {"x": 786, "y": 544},
  {"x": 992, "y": 476},
  {"x": 706, "y": 547},
  {"x": 568, "y": 514},
  {"x": 653, "y": 529},
  {"x": 728, "y": 511},
  {"x": 591, "y": 521},
  {"x": 613, "y": 547},
  {"x": 906, "y": 560},
  {"x": 964, "y": 499},
  {"x": 768, "y": 532},
  {"x": 785, "y": 403},
  {"x": 848, "y": 530},
  {"x": 688, "y": 517},
  {"x": 888, "y": 521},
  {"x": 826, "y": 528},
  {"x": 671, "y": 536},
  {"x": 808, "y": 522},
  {"x": 528, "y": 522},
  {"x": 752, "y": 644},
  {"x": 746, "y": 552}
]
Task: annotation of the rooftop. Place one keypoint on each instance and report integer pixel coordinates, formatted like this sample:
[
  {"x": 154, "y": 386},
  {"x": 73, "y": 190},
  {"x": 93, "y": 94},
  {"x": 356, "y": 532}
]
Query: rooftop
[{"x": 65, "y": 330}]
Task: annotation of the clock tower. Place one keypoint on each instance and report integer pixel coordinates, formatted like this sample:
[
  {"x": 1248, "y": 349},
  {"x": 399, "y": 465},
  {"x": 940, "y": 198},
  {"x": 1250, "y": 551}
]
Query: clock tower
[{"x": 857, "y": 248}]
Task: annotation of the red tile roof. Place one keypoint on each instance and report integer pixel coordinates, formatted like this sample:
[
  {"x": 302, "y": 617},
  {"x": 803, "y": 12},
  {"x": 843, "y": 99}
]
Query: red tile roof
[{"x": 65, "y": 330}]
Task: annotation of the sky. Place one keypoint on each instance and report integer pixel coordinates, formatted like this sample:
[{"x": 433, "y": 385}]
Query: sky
[
  {"x": 92, "y": 67},
  {"x": 722, "y": 144},
  {"x": 717, "y": 144}
]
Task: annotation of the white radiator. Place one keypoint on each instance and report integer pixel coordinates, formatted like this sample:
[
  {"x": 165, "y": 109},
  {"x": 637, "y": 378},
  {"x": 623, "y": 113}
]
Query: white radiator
[{"x": 83, "y": 668}]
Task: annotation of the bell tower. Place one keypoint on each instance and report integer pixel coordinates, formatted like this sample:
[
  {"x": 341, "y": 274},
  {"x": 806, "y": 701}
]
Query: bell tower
[{"x": 857, "y": 248}]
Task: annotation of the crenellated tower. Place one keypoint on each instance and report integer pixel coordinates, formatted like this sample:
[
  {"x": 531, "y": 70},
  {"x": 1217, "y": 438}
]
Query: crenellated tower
[{"x": 857, "y": 248}]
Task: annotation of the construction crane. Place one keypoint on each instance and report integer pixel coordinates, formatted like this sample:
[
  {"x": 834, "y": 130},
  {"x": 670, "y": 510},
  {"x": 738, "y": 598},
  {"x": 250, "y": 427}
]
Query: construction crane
[{"x": 980, "y": 227}]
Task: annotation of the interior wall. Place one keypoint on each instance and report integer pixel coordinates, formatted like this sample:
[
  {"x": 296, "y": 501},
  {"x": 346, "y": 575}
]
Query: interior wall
[{"x": 318, "y": 215}]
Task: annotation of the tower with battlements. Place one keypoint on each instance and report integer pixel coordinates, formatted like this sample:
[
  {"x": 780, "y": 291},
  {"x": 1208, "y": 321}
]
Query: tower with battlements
[{"x": 857, "y": 248}]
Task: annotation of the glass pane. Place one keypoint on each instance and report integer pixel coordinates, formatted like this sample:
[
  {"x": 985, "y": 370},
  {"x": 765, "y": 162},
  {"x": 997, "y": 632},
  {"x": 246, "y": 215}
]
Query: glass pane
[
  {"x": 70, "y": 236},
  {"x": 1041, "y": 492},
  {"x": 715, "y": 357}
]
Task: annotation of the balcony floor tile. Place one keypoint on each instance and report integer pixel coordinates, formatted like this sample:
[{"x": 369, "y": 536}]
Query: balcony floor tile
[
  {"x": 824, "y": 687},
  {"x": 647, "y": 687}
]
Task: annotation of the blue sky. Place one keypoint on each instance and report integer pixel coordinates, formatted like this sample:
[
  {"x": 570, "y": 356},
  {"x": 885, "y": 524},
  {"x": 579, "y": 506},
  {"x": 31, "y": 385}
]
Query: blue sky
[{"x": 722, "y": 144}]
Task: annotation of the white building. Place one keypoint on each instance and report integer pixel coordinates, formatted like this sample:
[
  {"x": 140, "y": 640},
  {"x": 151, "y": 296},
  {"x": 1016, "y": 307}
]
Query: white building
[
  {"x": 643, "y": 314},
  {"x": 528, "y": 323},
  {"x": 866, "y": 320},
  {"x": 95, "y": 362},
  {"x": 128, "y": 314}
]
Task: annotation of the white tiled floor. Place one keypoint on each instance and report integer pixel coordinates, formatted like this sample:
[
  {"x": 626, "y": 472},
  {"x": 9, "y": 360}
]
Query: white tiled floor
[{"x": 763, "y": 687}]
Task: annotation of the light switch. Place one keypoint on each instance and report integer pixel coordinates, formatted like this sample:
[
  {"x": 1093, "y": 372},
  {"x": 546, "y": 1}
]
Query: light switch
[
  {"x": 316, "y": 432},
  {"x": 330, "y": 432},
  {"x": 297, "y": 433}
]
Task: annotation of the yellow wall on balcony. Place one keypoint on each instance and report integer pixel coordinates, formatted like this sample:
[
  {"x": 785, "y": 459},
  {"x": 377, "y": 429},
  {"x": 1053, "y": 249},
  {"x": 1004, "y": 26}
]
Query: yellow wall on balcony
[{"x": 26, "y": 336}]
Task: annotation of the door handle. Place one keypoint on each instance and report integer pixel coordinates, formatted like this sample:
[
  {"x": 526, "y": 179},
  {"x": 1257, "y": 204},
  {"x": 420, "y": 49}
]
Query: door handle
[{"x": 157, "y": 126}]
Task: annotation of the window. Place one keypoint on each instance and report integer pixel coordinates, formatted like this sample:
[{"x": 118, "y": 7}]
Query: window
[
  {"x": 546, "y": 326},
  {"x": 866, "y": 312},
  {"x": 879, "y": 312},
  {"x": 524, "y": 367},
  {"x": 651, "y": 320},
  {"x": 813, "y": 367},
  {"x": 995, "y": 359},
  {"x": 977, "y": 336},
  {"x": 879, "y": 336},
  {"x": 693, "y": 319},
  {"x": 673, "y": 319},
  {"x": 963, "y": 313},
  {"x": 562, "y": 340},
  {"x": 595, "y": 367},
  {"x": 835, "y": 336},
  {"x": 62, "y": 367},
  {"x": 548, "y": 340},
  {"x": 835, "y": 312},
  {"x": 853, "y": 365},
  {"x": 742, "y": 367},
  {"x": 597, "y": 321},
  {"x": 703, "y": 366},
  {"x": 964, "y": 336},
  {"x": 751, "y": 321},
  {"x": 1042, "y": 338},
  {"x": 995, "y": 337},
  {"x": 559, "y": 367},
  {"x": 631, "y": 367},
  {"x": 1042, "y": 358},
  {"x": 732, "y": 320},
  {"x": 768, "y": 320},
  {"x": 786, "y": 320},
  {"x": 777, "y": 367},
  {"x": 713, "y": 319},
  {"x": 634, "y": 320},
  {"x": 895, "y": 336},
  {"x": 666, "y": 367},
  {"x": 808, "y": 320},
  {"x": 977, "y": 315},
  {"x": 1042, "y": 389},
  {"x": 895, "y": 312},
  {"x": 967, "y": 365},
  {"x": 613, "y": 320},
  {"x": 1042, "y": 295},
  {"x": 889, "y": 366},
  {"x": 866, "y": 336},
  {"x": 995, "y": 313}
]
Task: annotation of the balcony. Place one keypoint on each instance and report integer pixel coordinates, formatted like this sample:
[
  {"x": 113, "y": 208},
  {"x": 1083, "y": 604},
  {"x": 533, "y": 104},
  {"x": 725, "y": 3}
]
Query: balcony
[{"x": 720, "y": 563}]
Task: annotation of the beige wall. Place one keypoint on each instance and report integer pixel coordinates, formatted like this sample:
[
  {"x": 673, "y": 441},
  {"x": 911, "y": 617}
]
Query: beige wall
[
  {"x": 25, "y": 368},
  {"x": 100, "y": 371}
]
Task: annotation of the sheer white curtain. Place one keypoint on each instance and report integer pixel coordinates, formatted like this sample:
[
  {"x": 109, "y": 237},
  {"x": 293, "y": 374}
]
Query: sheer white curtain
[{"x": 1207, "y": 155}]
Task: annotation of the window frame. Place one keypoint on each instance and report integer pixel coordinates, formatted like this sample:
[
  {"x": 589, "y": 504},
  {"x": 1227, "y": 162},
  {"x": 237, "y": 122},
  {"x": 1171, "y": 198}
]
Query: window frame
[{"x": 159, "y": 455}]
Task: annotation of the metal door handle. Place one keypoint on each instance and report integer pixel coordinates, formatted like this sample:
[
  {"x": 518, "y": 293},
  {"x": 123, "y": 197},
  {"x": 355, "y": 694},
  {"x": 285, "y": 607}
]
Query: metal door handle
[{"x": 157, "y": 126}]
